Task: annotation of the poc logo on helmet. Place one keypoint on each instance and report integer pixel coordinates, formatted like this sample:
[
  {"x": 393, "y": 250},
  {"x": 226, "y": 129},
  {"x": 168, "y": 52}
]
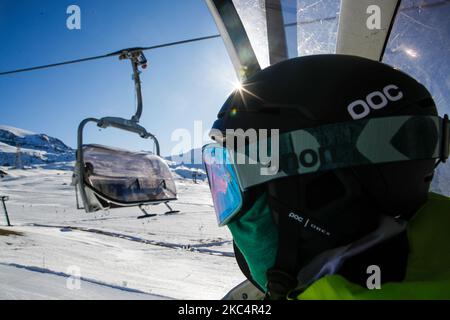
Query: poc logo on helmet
[
  {"x": 296, "y": 217},
  {"x": 360, "y": 109}
]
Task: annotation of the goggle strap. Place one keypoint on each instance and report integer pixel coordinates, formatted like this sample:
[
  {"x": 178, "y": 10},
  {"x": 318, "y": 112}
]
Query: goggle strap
[{"x": 341, "y": 145}]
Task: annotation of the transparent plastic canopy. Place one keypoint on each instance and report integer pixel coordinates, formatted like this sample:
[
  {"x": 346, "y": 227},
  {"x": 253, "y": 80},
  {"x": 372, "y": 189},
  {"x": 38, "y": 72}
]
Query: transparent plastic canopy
[
  {"x": 310, "y": 26},
  {"x": 253, "y": 17},
  {"x": 127, "y": 177},
  {"x": 419, "y": 45}
]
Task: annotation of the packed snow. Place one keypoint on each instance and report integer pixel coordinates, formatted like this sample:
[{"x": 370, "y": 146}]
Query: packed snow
[
  {"x": 40, "y": 284},
  {"x": 182, "y": 256}
]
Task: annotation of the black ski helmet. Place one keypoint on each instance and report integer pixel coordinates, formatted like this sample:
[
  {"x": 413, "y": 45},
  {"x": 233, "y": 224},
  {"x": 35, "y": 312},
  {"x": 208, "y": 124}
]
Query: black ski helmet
[{"x": 316, "y": 90}]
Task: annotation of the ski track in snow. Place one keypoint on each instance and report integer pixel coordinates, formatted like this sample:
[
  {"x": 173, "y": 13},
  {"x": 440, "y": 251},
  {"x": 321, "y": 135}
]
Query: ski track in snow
[
  {"x": 182, "y": 256},
  {"x": 48, "y": 284},
  {"x": 65, "y": 275},
  {"x": 193, "y": 248}
]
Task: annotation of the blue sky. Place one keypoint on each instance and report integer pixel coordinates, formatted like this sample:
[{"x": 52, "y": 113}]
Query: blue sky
[{"x": 183, "y": 83}]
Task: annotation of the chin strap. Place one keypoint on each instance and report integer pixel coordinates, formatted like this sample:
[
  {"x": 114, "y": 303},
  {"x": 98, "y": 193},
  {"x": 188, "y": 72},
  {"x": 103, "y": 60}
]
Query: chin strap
[{"x": 282, "y": 278}]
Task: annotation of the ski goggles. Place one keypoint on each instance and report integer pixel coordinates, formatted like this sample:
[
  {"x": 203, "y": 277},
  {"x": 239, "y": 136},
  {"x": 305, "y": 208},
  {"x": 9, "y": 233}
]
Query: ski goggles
[{"x": 233, "y": 170}]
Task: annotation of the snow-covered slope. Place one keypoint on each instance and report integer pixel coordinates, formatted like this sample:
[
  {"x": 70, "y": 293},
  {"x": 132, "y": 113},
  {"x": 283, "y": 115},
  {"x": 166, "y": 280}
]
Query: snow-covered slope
[
  {"x": 33, "y": 283},
  {"x": 34, "y": 148},
  {"x": 182, "y": 256}
]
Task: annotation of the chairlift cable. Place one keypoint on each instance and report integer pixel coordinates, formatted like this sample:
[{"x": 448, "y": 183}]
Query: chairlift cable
[{"x": 164, "y": 45}]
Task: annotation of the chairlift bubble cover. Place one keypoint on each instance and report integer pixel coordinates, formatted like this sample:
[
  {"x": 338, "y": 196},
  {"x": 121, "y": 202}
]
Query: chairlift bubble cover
[{"x": 127, "y": 177}]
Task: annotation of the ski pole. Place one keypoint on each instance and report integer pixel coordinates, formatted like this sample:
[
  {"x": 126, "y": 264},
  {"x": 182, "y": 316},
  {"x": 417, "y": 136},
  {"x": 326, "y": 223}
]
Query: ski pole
[{"x": 4, "y": 199}]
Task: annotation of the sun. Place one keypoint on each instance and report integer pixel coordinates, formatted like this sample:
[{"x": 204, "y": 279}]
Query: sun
[{"x": 238, "y": 86}]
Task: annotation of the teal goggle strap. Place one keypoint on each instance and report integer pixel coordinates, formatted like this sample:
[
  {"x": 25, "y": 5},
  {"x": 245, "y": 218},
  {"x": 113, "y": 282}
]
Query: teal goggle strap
[{"x": 341, "y": 145}]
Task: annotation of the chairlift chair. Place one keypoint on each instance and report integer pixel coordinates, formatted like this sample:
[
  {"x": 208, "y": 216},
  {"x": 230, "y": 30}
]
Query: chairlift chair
[{"x": 109, "y": 178}]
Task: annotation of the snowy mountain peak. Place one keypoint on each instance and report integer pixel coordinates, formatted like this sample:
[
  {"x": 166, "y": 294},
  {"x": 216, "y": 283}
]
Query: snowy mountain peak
[
  {"x": 34, "y": 148},
  {"x": 16, "y": 131},
  {"x": 42, "y": 149}
]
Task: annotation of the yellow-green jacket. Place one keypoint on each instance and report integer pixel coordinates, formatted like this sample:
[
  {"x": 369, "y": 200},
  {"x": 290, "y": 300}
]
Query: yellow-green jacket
[{"x": 428, "y": 268}]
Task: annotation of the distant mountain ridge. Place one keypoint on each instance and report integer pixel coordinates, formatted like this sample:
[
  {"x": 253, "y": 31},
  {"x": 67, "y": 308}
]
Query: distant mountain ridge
[
  {"x": 34, "y": 148},
  {"x": 42, "y": 149}
]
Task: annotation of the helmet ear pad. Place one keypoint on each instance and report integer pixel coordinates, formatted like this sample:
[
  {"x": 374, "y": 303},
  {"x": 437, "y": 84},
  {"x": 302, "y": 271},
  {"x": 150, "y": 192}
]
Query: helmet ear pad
[
  {"x": 397, "y": 189},
  {"x": 333, "y": 200}
]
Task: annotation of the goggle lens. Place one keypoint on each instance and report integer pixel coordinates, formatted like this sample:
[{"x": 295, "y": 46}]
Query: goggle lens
[{"x": 223, "y": 182}]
